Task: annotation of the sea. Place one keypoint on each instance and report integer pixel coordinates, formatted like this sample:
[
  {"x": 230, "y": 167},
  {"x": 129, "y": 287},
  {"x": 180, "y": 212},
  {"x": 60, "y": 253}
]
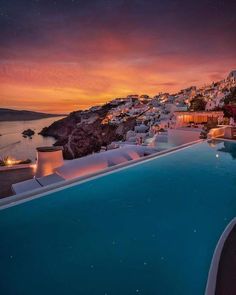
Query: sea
[{"x": 14, "y": 145}]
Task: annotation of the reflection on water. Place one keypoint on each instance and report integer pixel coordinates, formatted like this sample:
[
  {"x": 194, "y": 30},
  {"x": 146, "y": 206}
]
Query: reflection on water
[
  {"x": 224, "y": 146},
  {"x": 13, "y": 144},
  {"x": 229, "y": 147}
]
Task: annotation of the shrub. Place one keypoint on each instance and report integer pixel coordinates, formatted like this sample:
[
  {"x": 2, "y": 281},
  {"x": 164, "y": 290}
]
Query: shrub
[
  {"x": 4, "y": 160},
  {"x": 197, "y": 103},
  {"x": 208, "y": 126}
]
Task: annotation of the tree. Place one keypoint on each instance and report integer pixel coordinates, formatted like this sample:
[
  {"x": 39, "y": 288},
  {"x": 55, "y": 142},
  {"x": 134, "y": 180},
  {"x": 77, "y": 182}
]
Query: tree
[{"x": 198, "y": 103}]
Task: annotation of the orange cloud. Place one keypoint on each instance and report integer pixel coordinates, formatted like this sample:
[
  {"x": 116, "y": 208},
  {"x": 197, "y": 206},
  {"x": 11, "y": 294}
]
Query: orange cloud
[
  {"x": 66, "y": 87},
  {"x": 59, "y": 56},
  {"x": 106, "y": 66}
]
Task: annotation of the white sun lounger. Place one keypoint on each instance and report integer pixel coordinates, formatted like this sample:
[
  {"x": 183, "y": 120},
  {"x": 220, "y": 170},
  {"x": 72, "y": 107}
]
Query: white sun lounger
[
  {"x": 99, "y": 161},
  {"x": 36, "y": 183},
  {"x": 24, "y": 186},
  {"x": 50, "y": 179}
]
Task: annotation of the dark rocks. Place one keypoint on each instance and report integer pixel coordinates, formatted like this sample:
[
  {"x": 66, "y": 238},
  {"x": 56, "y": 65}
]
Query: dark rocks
[
  {"x": 82, "y": 132},
  {"x": 28, "y": 133}
]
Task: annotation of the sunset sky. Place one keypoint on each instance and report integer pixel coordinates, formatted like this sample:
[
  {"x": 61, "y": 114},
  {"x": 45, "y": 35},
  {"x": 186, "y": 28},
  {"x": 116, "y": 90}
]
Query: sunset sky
[{"x": 64, "y": 55}]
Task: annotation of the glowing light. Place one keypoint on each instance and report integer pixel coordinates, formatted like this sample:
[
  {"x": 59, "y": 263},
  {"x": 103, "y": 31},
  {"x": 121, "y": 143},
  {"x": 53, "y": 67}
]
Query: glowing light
[
  {"x": 10, "y": 162},
  {"x": 217, "y": 155},
  {"x": 34, "y": 167}
]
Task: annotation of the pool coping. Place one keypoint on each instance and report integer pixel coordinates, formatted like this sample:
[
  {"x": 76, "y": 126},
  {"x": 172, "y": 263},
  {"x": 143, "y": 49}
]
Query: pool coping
[
  {"x": 214, "y": 266},
  {"x": 40, "y": 192}
]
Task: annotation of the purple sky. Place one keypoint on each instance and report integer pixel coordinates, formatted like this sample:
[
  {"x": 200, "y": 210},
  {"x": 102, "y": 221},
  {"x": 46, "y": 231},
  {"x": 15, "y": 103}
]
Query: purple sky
[{"x": 80, "y": 53}]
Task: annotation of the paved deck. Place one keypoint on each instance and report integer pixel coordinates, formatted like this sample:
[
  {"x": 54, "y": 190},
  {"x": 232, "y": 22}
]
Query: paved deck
[
  {"x": 7, "y": 178},
  {"x": 226, "y": 277}
]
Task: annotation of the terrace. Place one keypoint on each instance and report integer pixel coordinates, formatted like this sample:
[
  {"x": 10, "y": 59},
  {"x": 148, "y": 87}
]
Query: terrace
[{"x": 186, "y": 118}]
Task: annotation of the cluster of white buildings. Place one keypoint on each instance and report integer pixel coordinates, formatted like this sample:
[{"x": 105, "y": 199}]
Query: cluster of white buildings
[
  {"x": 165, "y": 111},
  {"x": 169, "y": 111}
]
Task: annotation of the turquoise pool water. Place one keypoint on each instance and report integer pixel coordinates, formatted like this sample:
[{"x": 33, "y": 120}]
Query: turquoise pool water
[{"x": 149, "y": 229}]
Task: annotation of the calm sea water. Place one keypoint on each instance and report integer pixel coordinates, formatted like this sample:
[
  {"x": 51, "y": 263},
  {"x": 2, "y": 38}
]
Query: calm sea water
[{"x": 13, "y": 144}]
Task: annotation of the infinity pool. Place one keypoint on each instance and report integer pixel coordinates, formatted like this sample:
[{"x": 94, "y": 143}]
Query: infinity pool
[{"x": 148, "y": 229}]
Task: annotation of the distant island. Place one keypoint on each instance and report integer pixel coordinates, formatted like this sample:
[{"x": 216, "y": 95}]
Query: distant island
[{"x": 23, "y": 115}]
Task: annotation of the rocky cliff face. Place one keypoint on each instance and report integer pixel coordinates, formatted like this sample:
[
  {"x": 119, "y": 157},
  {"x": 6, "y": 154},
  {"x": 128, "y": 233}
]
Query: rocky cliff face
[{"x": 82, "y": 132}]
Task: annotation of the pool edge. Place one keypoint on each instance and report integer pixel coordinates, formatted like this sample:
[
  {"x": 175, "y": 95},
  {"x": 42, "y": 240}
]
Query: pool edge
[{"x": 37, "y": 193}]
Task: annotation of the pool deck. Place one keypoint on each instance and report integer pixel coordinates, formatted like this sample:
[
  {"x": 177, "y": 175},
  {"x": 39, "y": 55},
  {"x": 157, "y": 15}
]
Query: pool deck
[
  {"x": 226, "y": 276},
  {"x": 222, "y": 272},
  {"x": 7, "y": 178}
]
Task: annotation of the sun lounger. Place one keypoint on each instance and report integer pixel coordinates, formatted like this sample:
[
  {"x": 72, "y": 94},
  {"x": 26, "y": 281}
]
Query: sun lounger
[
  {"x": 25, "y": 186},
  {"x": 50, "y": 179},
  {"x": 36, "y": 183},
  {"x": 97, "y": 162}
]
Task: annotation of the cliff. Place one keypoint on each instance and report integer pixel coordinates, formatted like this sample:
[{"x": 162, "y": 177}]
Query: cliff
[{"x": 82, "y": 132}]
